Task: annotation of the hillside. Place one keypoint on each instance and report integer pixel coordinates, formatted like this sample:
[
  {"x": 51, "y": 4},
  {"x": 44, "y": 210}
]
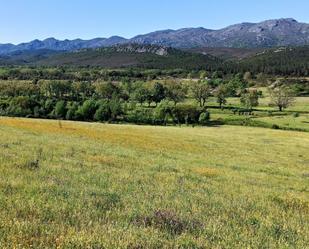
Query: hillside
[
  {"x": 26, "y": 56},
  {"x": 284, "y": 61},
  {"x": 133, "y": 55},
  {"x": 227, "y": 53}
]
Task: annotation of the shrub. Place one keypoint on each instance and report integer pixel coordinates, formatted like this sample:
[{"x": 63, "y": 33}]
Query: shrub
[
  {"x": 115, "y": 108},
  {"x": 60, "y": 109},
  {"x": 204, "y": 118},
  {"x": 87, "y": 110},
  {"x": 163, "y": 112},
  {"x": 103, "y": 113},
  {"x": 71, "y": 111},
  {"x": 276, "y": 127},
  {"x": 21, "y": 106},
  {"x": 186, "y": 114},
  {"x": 141, "y": 115}
]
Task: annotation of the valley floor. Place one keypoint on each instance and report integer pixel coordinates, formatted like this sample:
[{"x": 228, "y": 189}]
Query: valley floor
[{"x": 89, "y": 185}]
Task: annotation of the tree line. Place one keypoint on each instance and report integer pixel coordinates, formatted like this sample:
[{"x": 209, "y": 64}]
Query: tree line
[{"x": 151, "y": 102}]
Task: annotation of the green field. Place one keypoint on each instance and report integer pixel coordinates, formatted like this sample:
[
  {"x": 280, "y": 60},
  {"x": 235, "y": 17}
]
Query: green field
[{"x": 89, "y": 185}]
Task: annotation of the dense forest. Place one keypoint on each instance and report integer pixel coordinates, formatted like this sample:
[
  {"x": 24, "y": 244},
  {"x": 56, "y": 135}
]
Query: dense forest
[{"x": 285, "y": 61}]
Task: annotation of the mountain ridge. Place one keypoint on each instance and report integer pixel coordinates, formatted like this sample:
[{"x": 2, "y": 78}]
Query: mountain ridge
[{"x": 265, "y": 34}]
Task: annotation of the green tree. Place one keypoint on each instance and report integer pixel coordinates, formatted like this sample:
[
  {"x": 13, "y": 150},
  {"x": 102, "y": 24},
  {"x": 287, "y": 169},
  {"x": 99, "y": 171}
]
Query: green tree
[
  {"x": 103, "y": 113},
  {"x": 200, "y": 91},
  {"x": 176, "y": 91},
  {"x": 236, "y": 85},
  {"x": 282, "y": 97},
  {"x": 221, "y": 95},
  {"x": 106, "y": 90},
  {"x": 60, "y": 109},
  {"x": 250, "y": 99},
  {"x": 140, "y": 94},
  {"x": 72, "y": 108},
  {"x": 158, "y": 93},
  {"x": 115, "y": 107},
  {"x": 87, "y": 110}
]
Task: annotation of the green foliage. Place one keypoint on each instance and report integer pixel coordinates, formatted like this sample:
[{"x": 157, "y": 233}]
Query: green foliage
[
  {"x": 279, "y": 61},
  {"x": 158, "y": 92},
  {"x": 141, "y": 115},
  {"x": 221, "y": 94},
  {"x": 200, "y": 91},
  {"x": 204, "y": 118},
  {"x": 115, "y": 107},
  {"x": 87, "y": 110},
  {"x": 175, "y": 91},
  {"x": 60, "y": 109},
  {"x": 236, "y": 85},
  {"x": 72, "y": 108},
  {"x": 281, "y": 96},
  {"x": 186, "y": 114},
  {"x": 103, "y": 113},
  {"x": 106, "y": 90},
  {"x": 249, "y": 99}
]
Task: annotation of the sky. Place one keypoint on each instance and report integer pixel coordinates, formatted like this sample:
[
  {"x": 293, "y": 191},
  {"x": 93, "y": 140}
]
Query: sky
[{"x": 26, "y": 20}]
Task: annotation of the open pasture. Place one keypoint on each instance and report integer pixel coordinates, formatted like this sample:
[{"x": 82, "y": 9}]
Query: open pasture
[{"x": 88, "y": 185}]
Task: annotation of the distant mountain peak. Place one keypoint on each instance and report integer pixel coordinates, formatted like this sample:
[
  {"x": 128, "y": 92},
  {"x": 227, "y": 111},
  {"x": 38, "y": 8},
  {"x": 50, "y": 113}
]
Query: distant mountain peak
[{"x": 269, "y": 33}]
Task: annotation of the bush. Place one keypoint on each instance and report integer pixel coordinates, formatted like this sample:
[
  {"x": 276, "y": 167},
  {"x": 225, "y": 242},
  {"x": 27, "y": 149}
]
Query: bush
[
  {"x": 115, "y": 108},
  {"x": 295, "y": 115},
  {"x": 141, "y": 115},
  {"x": 103, "y": 113},
  {"x": 186, "y": 114},
  {"x": 276, "y": 127},
  {"x": 163, "y": 112},
  {"x": 204, "y": 118},
  {"x": 60, "y": 109},
  {"x": 87, "y": 110},
  {"x": 72, "y": 108}
]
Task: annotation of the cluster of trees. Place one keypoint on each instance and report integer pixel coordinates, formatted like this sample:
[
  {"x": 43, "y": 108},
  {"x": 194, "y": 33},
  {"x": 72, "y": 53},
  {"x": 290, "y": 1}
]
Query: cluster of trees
[
  {"x": 89, "y": 74},
  {"x": 150, "y": 102},
  {"x": 100, "y": 101}
]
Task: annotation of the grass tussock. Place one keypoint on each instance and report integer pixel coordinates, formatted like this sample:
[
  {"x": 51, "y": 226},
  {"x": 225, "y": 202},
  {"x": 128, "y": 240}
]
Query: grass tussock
[{"x": 168, "y": 221}]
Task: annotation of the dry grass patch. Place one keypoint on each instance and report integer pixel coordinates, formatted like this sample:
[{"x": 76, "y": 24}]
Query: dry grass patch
[
  {"x": 207, "y": 172},
  {"x": 102, "y": 159}
]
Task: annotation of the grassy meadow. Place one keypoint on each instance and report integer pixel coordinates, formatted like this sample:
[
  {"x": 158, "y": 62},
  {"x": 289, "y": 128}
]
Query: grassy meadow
[{"x": 89, "y": 185}]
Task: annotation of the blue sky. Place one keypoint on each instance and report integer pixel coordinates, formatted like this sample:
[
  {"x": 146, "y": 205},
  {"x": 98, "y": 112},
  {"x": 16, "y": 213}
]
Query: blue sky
[{"x": 25, "y": 20}]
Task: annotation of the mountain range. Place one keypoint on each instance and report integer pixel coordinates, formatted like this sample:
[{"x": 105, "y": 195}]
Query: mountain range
[{"x": 270, "y": 33}]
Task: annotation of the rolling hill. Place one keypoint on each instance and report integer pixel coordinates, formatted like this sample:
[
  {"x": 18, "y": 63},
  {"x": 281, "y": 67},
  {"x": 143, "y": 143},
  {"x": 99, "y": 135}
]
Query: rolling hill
[
  {"x": 283, "y": 61},
  {"x": 127, "y": 55},
  {"x": 228, "y": 53}
]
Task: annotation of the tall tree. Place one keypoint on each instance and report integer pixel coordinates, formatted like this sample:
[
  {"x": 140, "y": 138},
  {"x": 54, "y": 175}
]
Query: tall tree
[
  {"x": 250, "y": 99},
  {"x": 282, "y": 97},
  {"x": 176, "y": 91},
  {"x": 200, "y": 91},
  {"x": 221, "y": 95},
  {"x": 158, "y": 92}
]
